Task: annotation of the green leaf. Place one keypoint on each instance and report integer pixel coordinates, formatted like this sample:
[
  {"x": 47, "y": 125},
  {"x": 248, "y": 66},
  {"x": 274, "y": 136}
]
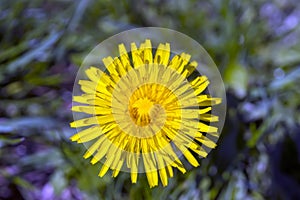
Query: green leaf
[
  {"x": 25, "y": 59},
  {"x": 58, "y": 181},
  {"x": 7, "y": 140},
  {"x": 22, "y": 183},
  {"x": 256, "y": 134},
  {"x": 236, "y": 78}
]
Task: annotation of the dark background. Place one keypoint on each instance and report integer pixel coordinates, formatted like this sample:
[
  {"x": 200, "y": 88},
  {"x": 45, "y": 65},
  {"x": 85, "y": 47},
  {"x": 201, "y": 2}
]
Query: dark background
[{"x": 255, "y": 44}]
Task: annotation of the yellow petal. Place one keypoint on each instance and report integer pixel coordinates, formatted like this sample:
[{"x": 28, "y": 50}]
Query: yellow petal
[
  {"x": 198, "y": 81},
  {"x": 136, "y": 59},
  {"x": 191, "y": 67},
  {"x": 84, "y": 98},
  {"x": 183, "y": 60},
  {"x": 170, "y": 171},
  {"x": 119, "y": 166},
  {"x": 105, "y": 119},
  {"x": 204, "y": 110},
  {"x": 209, "y": 101},
  {"x": 102, "y": 151},
  {"x": 148, "y": 59},
  {"x": 162, "y": 54},
  {"x": 120, "y": 68},
  {"x": 116, "y": 157},
  {"x": 179, "y": 165},
  {"x": 90, "y": 136},
  {"x": 87, "y": 83},
  {"x": 207, "y": 142},
  {"x": 92, "y": 149},
  {"x": 109, "y": 64},
  {"x": 200, "y": 88},
  {"x": 103, "y": 170},
  {"x": 110, "y": 157},
  {"x": 94, "y": 74},
  {"x": 187, "y": 154},
  {"x": 209, "y": 118},
  {"x": 162, "y": 171},
  {"x": 85, "y": 109},
  {"x": 198, "y": 149},
  {"x": 84, "y": 122},
  {"x": 134, "y": 168},
  {"x": 216, "y": 134},
  {"x": 124, "y": 57},
  {"x": 206, "y": 128},
  {"x": 85, "y": 132}
]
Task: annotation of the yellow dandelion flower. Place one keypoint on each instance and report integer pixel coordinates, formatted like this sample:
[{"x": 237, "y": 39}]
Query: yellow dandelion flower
[{"x": 147, "y": 109}]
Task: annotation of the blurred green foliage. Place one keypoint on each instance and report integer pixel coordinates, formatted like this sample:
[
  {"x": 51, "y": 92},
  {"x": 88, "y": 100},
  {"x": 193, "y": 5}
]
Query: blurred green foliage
[{"x": 255, "y": 44}]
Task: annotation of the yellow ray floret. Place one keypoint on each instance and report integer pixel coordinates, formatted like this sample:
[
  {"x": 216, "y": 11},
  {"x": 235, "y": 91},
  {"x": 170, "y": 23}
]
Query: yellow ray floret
[{"x": 145, "y": 112}]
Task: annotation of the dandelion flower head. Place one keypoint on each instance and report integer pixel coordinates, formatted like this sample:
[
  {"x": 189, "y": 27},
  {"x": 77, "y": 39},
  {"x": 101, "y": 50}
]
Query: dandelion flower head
[{"x": 146, "y": 112}]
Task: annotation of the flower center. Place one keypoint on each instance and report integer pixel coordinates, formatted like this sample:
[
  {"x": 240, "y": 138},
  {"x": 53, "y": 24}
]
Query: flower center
[
  {"x": 146, "y": 106},
  {"x": 140, "y": 111}
]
